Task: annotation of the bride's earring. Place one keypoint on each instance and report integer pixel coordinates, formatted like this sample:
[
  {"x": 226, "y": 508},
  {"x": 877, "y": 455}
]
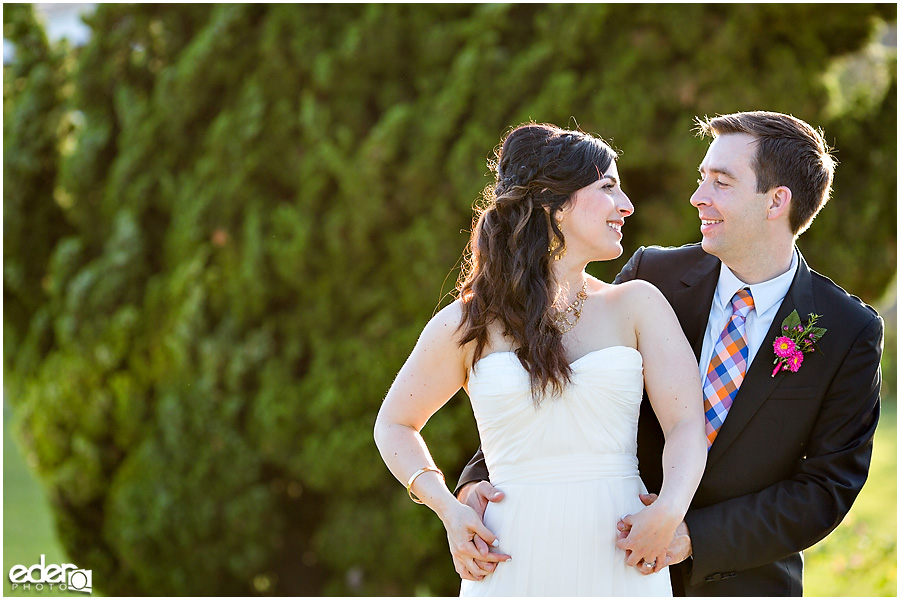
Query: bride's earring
[{"x": 555, "y": 243}]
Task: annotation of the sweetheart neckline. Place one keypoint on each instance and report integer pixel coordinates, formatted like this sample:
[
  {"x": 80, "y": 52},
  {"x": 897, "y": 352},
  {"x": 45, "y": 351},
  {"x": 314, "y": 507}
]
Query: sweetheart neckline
[{"x": 570, "y": 364}]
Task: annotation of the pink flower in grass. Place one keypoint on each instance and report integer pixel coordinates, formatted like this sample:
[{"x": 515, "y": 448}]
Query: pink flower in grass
[
  {"x": 794, "y": 361},
  {"x": 785, "y": 347}
]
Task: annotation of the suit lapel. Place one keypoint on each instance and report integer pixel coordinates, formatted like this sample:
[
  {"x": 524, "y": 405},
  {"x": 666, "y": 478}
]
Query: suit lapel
[
  {"x": 759, "y": 383},
  {"x": 691, "y": 303}
]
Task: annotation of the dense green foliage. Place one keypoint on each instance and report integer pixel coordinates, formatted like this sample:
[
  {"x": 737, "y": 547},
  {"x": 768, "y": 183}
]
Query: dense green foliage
[{"x": 226, "y": 224}]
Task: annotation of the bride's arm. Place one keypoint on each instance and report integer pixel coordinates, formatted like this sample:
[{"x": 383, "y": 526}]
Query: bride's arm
[
  {"x": 672, "y": 381},
  {"x": 433, "y": 373}
]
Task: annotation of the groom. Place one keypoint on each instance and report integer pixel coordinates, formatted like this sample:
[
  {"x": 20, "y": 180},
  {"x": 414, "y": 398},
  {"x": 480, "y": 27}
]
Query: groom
[{"x": 789, "y": 451}]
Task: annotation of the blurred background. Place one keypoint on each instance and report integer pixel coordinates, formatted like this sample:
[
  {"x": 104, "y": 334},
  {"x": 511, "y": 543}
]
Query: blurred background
[{"x": 226, "y": 225}]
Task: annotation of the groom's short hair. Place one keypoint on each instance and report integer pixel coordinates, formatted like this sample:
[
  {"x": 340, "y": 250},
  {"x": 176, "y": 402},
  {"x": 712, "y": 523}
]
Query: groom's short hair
[{"x": 790, "y": 152}]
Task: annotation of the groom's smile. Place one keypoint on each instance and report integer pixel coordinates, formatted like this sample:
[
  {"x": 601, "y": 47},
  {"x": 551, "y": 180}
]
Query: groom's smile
[
  {"x": 709, "y": 222},
  {"x": 707, "y": 225}
]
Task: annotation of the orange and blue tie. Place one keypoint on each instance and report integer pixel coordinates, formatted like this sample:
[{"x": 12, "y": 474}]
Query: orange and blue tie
[{"x": 727, "y": 366}]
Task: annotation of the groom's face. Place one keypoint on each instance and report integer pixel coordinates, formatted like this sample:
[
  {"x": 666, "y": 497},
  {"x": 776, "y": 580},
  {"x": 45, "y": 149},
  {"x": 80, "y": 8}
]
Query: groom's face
[{"x": 732, "y": 213}]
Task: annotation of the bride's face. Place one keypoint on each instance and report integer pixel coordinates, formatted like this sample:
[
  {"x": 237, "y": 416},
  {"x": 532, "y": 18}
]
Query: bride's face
[{"x": 592, "y": 222}]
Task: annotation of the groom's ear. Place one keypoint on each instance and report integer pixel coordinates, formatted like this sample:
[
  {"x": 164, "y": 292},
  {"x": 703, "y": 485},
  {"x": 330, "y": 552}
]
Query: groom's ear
[{"x": 779, "y": 203}]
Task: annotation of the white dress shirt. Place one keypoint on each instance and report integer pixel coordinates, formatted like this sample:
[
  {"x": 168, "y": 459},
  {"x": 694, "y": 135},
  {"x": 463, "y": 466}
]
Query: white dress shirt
[{"x": 767, "y": 298}]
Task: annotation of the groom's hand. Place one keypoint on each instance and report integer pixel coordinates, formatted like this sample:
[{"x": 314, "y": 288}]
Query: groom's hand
[
  {"x": 477, "y": 495},
  {"x": 679, "y": 548}
]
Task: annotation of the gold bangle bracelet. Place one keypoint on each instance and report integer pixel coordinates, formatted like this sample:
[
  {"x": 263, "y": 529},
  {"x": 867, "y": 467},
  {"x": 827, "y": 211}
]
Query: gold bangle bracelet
[{"x": 413, "y": 478}]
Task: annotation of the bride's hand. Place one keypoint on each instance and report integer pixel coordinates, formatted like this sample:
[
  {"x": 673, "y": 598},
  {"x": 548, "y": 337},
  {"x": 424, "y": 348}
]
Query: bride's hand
[
  {"x": 645, "y": 536},
  {"x": 463, "y": 525}
]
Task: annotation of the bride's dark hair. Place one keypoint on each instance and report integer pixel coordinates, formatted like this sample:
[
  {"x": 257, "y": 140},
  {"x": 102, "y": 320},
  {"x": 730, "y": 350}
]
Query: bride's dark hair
[{"x": 506, "y": 275}]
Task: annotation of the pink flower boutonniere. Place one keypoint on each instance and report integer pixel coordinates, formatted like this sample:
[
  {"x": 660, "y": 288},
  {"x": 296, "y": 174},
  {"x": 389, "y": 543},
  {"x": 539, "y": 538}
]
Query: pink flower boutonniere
[{"x": 795, "y": 342}]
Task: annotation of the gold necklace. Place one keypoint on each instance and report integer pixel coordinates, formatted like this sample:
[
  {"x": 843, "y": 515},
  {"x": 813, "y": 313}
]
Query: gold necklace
[{"x": 562, "y": 317}]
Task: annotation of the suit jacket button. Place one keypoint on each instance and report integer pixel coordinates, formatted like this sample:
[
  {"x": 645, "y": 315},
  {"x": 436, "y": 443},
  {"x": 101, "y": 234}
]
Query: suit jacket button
[{"x": 714, "y": 577}]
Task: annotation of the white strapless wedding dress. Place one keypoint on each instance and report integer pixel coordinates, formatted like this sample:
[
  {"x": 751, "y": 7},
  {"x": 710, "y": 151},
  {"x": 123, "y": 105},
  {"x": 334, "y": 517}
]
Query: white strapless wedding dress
[{"x": 569, "y": 472}]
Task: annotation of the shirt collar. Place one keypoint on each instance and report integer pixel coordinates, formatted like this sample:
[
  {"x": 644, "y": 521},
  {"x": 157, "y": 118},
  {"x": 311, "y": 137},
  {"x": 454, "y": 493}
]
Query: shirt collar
[{"x": 765, "y": 294}]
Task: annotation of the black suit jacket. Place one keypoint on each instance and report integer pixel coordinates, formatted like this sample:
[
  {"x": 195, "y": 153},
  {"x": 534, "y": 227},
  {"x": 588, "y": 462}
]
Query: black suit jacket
[{"x": 795, "y": 449}]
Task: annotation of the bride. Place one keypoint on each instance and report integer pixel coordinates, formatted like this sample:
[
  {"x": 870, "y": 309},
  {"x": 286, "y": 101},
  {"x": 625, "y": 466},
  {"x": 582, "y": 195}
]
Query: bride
[{"x": 555, "y": 363}]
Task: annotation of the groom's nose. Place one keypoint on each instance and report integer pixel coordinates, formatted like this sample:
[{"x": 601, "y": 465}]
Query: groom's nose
[{"x": 699, "y": 197}]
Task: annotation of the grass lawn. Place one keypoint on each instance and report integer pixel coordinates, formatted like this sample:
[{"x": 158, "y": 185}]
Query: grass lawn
[
  {"x": 859, "y": 558},
  {"x": 27, "y": 525}
]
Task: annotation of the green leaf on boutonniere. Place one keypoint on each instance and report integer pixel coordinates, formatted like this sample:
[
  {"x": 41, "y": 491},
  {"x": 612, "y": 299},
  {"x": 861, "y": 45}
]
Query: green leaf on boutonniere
[
  {"x": 816, "y": 332},
  {"x": 791, "y": 321}
]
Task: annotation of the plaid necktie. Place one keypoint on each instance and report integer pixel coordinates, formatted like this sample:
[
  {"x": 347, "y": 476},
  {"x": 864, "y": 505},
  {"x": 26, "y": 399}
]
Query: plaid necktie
[{"x": 727, "y": 366}]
